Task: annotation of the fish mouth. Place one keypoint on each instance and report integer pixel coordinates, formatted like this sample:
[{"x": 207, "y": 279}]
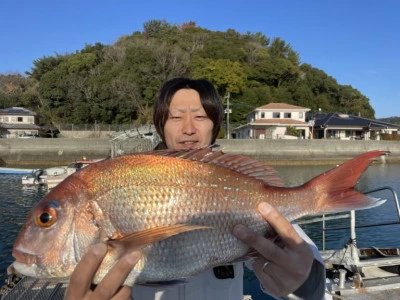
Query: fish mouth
[
  {"x": 24, "y": 257},
  {"x": 23, "y": 269}
]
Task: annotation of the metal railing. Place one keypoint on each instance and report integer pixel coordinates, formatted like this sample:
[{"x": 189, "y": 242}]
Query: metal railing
[{"x": 351, "y": 215}]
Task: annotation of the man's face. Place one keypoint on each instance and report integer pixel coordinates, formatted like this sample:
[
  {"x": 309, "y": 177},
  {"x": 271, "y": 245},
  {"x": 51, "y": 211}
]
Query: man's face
[{"x": 188, "y": 125}]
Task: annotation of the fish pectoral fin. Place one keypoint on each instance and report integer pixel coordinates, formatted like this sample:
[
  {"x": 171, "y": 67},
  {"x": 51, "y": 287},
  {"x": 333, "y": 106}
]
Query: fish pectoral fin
[{"x": 139, "y": 239}]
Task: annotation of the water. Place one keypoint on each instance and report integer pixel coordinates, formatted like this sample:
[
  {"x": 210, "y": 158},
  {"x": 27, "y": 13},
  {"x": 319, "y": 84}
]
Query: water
[
  {"x": 16, "y": 201},
  {"x": 377, "y": 175}
]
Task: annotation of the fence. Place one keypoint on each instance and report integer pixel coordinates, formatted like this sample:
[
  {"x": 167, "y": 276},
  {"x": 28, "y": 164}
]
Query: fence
[{"x": 98, "y": 127}]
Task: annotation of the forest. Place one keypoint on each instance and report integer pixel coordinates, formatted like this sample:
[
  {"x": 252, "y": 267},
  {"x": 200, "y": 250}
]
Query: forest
[{"x": 117, "y": 84}]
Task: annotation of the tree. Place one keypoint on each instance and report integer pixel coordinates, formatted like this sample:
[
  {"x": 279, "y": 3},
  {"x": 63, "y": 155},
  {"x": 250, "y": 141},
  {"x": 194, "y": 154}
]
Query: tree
[
  {"x": 291, "y": 130},
  {"x": 118, "y": 83},
  {"x": 226, "y": 75}
]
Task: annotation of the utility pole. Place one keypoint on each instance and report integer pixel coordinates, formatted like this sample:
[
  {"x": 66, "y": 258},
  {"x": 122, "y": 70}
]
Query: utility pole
[{"x": 227, "y": 111}]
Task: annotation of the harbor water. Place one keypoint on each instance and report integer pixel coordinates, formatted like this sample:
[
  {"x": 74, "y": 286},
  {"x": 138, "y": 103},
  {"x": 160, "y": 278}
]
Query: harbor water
[{"x": 16, "y": 201}]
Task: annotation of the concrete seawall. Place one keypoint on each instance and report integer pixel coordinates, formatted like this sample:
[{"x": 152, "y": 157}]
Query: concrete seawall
[
  {"x": 308, "y": 151},
  {"x": 64, "y": 150},
  {"x": 52, "y": 151}
]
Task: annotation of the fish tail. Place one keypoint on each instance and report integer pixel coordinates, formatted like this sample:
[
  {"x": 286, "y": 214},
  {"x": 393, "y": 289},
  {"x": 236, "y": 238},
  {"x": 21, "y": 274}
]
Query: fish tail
[{"x": 335, "y": 188}]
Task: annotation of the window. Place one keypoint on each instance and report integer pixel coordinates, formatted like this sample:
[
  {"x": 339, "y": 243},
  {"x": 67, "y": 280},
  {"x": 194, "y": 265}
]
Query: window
[
  {"x": 20, "y": 119},
  {"x": 276, "y": 115},
  {"x": 262, "y": 115},
  {"x": 300, "y": 114},
  {"x": 287, "y": 115},
  {"x": 6, "y": 119}
]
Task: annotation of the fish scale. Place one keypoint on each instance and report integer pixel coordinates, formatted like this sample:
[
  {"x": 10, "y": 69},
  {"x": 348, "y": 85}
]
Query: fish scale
[{"x": 178, "y": 207}]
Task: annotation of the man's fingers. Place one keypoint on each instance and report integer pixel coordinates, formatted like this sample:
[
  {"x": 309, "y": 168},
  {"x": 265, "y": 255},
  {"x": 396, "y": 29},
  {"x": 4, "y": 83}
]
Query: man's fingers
[
  {"x": 262, "y": 245},
  {"x": 283, "y": 228},
  {"x": 82, "y": 276},
  {"x": 115, "y": 278}
]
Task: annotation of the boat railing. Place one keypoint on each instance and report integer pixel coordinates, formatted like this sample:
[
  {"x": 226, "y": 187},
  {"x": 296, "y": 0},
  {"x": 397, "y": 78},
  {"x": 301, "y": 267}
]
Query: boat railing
[{"x": 351, "y": 215}]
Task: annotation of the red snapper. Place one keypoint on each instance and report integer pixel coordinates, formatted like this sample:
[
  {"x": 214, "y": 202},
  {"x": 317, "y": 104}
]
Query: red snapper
[{"x": 178, "y": 207}]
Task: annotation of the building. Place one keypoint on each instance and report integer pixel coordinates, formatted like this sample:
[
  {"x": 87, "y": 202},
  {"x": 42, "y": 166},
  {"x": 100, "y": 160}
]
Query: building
[
  {"x": 349, "y": 127},
  {"x": 18, "y": 122},
  {"x": 271, "y": 121}
]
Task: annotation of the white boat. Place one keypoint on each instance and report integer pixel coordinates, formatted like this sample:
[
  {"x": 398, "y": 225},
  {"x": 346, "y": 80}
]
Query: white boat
[
  {"x": 50, "y": 177},
  {"x": 53, "y": 180},
  {"x": 35, "y": 178},
  {"x": 40, "y": 177}
]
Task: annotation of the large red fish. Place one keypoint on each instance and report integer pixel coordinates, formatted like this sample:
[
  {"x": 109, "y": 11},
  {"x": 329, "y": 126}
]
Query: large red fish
[{"x": 178, "y": 207}]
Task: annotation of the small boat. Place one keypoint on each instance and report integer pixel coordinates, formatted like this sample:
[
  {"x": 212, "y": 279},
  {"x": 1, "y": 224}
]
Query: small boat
[
  {"x": 4, "y": 170},
  {"x": 50, "y": 177},
  {"x": 35, "y": 178},
  {"x": 40, "y": 177}
]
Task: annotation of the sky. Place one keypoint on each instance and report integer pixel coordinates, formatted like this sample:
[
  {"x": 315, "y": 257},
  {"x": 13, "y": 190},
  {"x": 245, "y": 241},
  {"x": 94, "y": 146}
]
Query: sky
[{"x": 357, "y": 42}]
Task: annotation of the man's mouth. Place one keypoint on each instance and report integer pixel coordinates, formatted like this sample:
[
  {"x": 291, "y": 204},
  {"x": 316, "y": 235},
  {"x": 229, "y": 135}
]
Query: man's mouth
[{"x": 188, "y": 144}]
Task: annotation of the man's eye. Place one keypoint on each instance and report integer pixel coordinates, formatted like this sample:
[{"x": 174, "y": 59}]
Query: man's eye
[{"x": 201, "y": 117}]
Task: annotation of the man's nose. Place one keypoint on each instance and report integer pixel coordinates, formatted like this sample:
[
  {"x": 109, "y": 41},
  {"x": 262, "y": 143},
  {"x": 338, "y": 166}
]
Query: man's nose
[{"x": 188, "y": 126}]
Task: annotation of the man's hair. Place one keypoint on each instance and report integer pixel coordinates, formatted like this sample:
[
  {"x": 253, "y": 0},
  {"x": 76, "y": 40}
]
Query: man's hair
[{"x": 208, "y": 96}]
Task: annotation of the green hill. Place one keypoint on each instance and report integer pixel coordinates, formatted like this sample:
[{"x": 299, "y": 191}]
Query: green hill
[{"x": 118, "y": 83}]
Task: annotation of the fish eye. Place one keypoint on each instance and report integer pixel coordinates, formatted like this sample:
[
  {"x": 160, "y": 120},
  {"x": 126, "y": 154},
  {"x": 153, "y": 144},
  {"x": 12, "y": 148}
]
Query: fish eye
[{"x": 48, "y": 216}]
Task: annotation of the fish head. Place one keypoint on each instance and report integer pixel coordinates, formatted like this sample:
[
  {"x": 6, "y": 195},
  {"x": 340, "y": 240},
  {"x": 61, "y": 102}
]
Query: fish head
[{"x": 57, "y": 232}]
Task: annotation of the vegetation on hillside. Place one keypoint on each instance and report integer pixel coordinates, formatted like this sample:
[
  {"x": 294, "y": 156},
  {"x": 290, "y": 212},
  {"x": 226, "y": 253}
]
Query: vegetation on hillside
[
  {"x": 392, "y": 120},
  {"x": 118, "y": 83}
]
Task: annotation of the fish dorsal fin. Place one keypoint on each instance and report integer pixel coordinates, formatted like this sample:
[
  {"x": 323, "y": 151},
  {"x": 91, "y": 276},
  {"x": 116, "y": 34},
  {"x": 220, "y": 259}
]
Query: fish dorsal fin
[
  {"x": 235, "y": 162},
  {"x": 139, "y": 239}
]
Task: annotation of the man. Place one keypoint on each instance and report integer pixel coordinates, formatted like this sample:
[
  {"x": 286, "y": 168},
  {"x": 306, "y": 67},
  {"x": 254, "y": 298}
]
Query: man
[{"x": 187, "y": 115}]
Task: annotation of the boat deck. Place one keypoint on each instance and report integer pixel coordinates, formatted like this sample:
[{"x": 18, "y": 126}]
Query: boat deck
[{"x": 376, "y": 295}]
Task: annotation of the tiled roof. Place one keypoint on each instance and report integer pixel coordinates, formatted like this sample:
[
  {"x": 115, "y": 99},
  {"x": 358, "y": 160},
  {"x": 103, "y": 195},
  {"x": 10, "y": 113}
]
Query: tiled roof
[
  {"x": 337, "y": 119},
  {"x": 279, "y": 106},
  {"x": 17, "y": 111},
  {"x": 278, "y": 121}
]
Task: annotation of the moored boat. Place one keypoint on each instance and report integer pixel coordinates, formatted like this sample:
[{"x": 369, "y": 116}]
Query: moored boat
[
  {"x": 35, "y": 178},
  {"x": 50, "y": 177},
  {"x": 4, "y": 170}
]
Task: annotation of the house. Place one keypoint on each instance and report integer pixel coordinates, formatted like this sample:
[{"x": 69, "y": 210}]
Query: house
[
  {"x": 349, "y": 127},
  {"x": 18, "y": 122},
  {"x": 271, "y": 121}
]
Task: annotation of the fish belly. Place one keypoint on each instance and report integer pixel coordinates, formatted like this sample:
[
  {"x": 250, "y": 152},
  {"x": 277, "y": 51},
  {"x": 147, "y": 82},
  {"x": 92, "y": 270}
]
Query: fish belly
[{"x": 193, "y": 252}]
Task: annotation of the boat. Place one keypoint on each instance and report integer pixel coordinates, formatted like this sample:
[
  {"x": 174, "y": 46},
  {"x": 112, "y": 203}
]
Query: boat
[
  {"x": 35, "y": 178},
  {"x": 40, "y": 177},
  {"x": 361, "y": 273},
  {"x": 50, "y": 177},
  {"x": 53, "y": 179},
  {"x": 4, "y": 170}
]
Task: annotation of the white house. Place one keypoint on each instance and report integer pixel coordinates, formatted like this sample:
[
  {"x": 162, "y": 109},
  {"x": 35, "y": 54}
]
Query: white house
[
  {"x": 272, "y": 120},
  {"x": 18, "y": 121}
]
